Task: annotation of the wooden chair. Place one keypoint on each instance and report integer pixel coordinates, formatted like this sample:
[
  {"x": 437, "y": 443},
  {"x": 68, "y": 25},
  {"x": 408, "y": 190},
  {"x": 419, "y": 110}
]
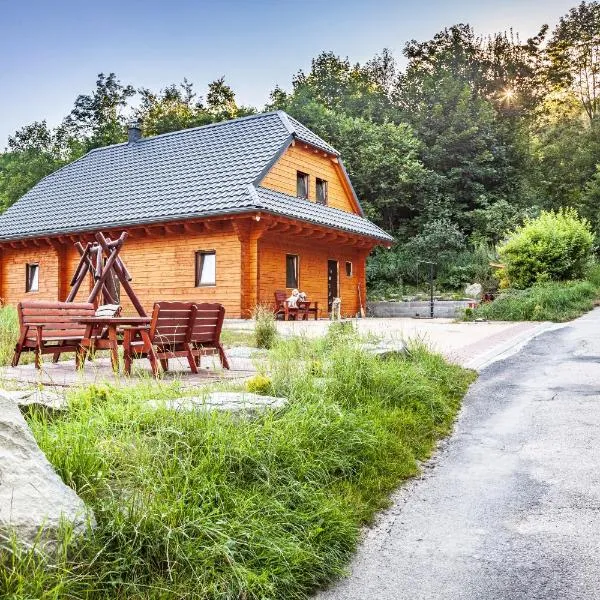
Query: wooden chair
[
  {"x": 205, "y": 336},
  {"x": 177, "y": 329},
  {"x": 281, "y": 307},
  {"x": 168, "y": 337},
  {"x": 50, "y": 328}
]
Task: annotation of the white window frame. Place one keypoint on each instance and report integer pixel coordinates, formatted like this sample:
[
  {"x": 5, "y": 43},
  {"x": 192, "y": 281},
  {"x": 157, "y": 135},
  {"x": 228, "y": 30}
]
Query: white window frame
[{"x": 200, "y": 266}]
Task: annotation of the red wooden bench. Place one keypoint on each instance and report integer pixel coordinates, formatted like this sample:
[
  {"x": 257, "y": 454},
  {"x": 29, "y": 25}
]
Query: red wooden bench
[
  {"x": 177, "y": 329},
  {"x": 50, "y": 328}
]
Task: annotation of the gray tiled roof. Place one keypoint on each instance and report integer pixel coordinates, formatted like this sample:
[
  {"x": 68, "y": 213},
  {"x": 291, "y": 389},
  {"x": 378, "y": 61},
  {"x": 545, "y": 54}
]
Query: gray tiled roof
[
  {"x": 305, "y": 210},
  {"x": 191, "y": 173}
]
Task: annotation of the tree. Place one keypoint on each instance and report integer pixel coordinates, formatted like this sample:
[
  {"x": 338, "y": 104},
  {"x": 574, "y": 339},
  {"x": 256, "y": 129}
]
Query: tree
[
  {"x": 574, "y": 53},
  {"x": 100, "y": 118},
  {"x": 34, "y": 152}
]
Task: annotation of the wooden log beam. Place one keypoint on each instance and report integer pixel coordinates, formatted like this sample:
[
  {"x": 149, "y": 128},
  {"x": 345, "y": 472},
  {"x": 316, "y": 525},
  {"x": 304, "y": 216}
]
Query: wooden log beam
[{"x": 120, "y": 272}]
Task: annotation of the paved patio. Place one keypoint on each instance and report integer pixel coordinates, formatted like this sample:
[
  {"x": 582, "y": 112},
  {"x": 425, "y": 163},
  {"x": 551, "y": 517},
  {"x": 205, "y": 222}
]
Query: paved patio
[
  {"x": 472, "y": 345},
  {"x": 64, "y": 374}
]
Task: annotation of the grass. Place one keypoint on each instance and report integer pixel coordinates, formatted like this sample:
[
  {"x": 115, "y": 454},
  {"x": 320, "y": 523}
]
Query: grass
[
  {"x": 218, "y": 506},
  {"x": 543, "y": 302},
  {"x": 9, "y": 333}
]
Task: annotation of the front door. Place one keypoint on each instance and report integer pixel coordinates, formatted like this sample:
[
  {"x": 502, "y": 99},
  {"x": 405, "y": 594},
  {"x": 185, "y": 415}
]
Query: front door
[{"x": 332, "y": 282}]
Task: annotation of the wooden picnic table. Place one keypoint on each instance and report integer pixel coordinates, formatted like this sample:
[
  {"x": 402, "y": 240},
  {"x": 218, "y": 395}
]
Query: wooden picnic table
[{"x": 95, "y": 326}]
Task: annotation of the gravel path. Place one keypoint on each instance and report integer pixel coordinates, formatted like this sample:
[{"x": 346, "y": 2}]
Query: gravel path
[{"x": 510, "y": 506}]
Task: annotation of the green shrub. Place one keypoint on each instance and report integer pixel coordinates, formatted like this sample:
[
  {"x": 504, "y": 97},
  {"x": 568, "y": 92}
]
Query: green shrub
[
  {"x": 259, "y": 384},
  {"x": 265, "y": 328},
  {"x": 556, "y": 246}
]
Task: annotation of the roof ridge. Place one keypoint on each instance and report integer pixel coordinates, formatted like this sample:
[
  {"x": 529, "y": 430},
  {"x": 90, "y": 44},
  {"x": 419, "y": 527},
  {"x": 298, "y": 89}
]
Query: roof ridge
[{"x": 188, "y": 129}]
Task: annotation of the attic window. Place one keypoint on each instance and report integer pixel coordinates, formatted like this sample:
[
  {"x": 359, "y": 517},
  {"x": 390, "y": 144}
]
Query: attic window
[
  {"x": 321, "y": 191},
  {"x": 301, "y": 185},
  {"x": 32, "y": 277},
  {"x": 206, "y": 268}
]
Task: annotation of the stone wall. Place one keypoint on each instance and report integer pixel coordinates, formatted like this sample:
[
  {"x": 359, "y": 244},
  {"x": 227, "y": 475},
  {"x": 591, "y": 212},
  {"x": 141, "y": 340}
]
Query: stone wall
[{"x": 441, "y": 308}]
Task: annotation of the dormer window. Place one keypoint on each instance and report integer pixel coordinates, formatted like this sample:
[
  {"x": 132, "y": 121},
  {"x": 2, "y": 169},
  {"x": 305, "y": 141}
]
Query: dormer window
[
  {"x": 302, "y": 185},
  {"x": 321, "y": 191}
]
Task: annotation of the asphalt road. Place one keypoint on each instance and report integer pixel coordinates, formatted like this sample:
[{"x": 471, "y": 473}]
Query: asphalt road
[{"x": 510, "y": 506}]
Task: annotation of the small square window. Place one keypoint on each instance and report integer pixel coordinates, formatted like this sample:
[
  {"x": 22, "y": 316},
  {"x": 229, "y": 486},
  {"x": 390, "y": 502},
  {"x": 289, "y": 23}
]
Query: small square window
[
  {"x": 32, "y": 277},
  {"x": 321, "y": 191},
  {"x": 348, "y": 268},
  {"x": 291, "y": 270},
  {"x": 206, "y": 268},
  {"x": 302, "y": 185}
]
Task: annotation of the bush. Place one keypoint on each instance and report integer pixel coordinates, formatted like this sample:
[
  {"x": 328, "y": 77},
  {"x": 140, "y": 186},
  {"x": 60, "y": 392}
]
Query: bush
[
  {"x": 259, "y": 384},
  {"x": 265, "y": 328},
  {"x": 556, "y": 246}
]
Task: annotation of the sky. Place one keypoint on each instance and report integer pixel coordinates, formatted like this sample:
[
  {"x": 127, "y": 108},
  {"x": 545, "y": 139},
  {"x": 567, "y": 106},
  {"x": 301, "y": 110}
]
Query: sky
[{"x": 52, "y": 50}]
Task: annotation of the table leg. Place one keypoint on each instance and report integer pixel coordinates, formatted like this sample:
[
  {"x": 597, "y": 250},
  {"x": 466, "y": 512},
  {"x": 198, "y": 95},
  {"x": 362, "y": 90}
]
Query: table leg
[{"x": 114, "y": 347}]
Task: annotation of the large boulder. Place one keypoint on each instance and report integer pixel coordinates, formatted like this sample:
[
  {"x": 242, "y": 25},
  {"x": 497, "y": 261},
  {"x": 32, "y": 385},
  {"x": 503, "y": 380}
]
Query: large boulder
[
  {"x": 33, "y": 498},
  {"x": 39, "y": 397}
]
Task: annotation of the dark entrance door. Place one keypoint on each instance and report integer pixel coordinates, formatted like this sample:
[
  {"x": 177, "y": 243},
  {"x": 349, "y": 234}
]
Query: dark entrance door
[{"x": 332, "y": 282}]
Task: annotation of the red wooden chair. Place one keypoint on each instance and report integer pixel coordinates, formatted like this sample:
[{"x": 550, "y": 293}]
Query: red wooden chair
[
  {"x": 50, "y": 328},
  {"x": 281, "y": 307},
  {"x": 177, "y": 329},
  {"x": 205, "y": 336},
  {"x": 167, "y": 337}
]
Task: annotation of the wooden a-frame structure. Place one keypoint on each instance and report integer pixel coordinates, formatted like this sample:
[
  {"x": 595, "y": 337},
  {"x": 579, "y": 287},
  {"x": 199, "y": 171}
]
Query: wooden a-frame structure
[{"x": 101, "y": 259}]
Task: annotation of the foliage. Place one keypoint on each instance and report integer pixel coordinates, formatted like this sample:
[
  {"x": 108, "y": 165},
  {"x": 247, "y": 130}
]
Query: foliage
[
  {"x": 9, "y": 333},
  {"x": 470, "y": 136},
  {"x": 211, "y": 505},
  {"x": 259, "y": 384},
  {"x": 265, "y": 328},
  {"x": 552, "y": 301},
  {"x": 556, "y": 246}
]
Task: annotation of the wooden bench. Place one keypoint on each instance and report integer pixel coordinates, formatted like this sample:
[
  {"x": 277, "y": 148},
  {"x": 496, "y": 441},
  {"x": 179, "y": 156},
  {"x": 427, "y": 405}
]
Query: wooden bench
[
  {"x": 50, "y": 328},
  {"x": 177, "y": 329}
]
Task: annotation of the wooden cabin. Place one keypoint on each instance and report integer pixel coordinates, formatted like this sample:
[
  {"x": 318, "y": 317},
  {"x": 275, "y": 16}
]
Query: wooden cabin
[{"x": 228, "y": 212}]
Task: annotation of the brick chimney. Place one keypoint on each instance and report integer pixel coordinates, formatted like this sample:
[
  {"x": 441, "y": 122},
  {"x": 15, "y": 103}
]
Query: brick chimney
[{"x": 134, "y": 132}]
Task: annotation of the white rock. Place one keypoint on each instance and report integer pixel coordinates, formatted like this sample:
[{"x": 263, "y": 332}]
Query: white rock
[
  {"x": 385, "y": 348},
  {"x": 474, "y": 290},
  {"x": 223, "y": 401},
  {"x": 46, "y": 398},
  {"x": 245, "y": 352},
  {"x": 32, "y": 496}
]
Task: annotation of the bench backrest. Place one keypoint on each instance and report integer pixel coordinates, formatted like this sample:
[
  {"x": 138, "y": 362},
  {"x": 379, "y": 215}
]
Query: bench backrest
[
  {"x": 207, "y": 324},
  {"x": 59, "y": 318},
  {"x": 170, "y": 322}
]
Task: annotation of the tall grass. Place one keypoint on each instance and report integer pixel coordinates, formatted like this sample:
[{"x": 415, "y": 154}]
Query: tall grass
[
  {"x": 212, "y": 505},
  {"x": 557, "y": 301},
  {"x": 9, "y": 333}
]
